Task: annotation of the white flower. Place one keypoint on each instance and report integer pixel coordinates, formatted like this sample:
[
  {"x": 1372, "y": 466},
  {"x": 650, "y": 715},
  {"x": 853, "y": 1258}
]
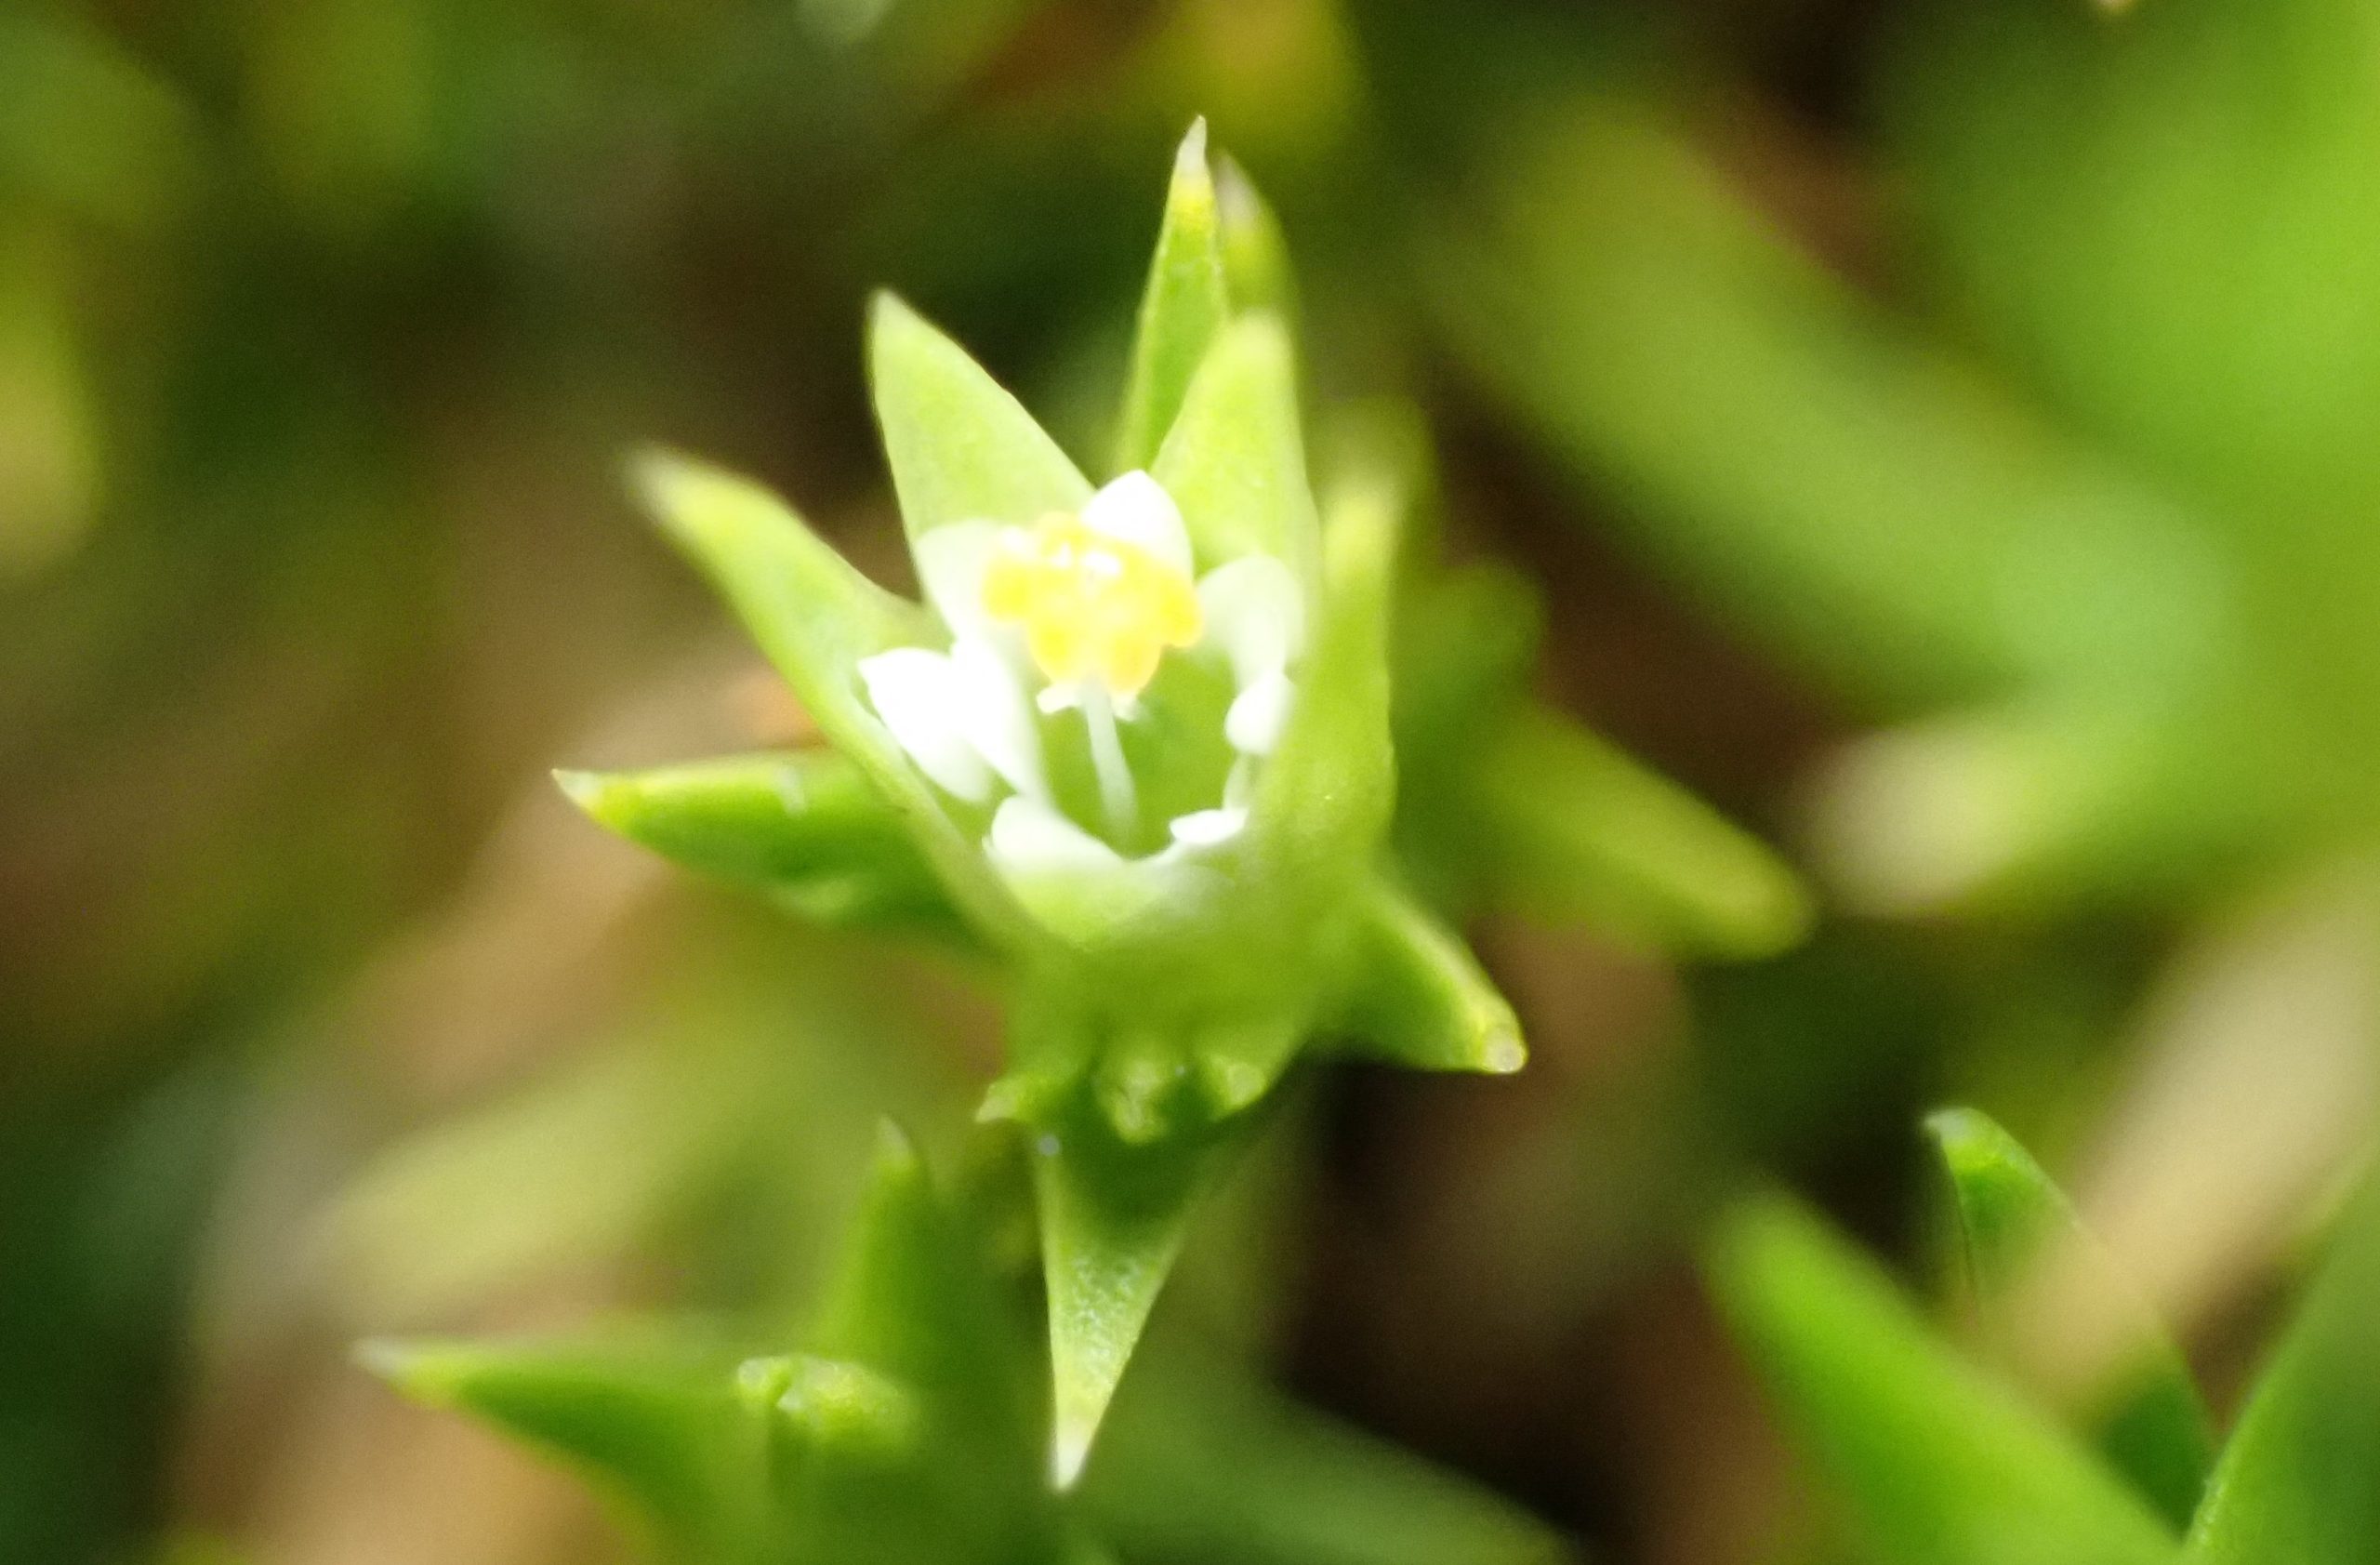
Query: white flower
[{"x": 1078, "y": 612}]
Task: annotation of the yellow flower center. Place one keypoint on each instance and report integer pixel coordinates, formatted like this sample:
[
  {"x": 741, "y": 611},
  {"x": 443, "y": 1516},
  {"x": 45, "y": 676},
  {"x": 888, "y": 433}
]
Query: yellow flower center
[{"x": 1092, "y": 606}]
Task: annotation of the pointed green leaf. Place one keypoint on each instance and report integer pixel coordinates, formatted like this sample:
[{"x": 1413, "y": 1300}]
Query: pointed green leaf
[
  {"x": 1235, "y": 460},
  {"x": 1576, "y": 829},
  {"x": 648, "y": 1423},
  {"x": 2299, "y": 1482},
  {"x": 1202, "y": 1462},
  {"x": 1256, "y": 256},
  {"x": 1323, "y": 800},
  {"x": 911, "y": 1295},
  {"x": 1421, "y": 999},
  {"x": 961, "y": 449},
  {"x": 805, "y": 825},
  {"x": 1113, "y": 1219},
  {"x": 1182, "y": 310},
  {"x": 1934, "y": 1462},
  {"x": 817, "y": 617},
  {"x": 2144, "y": 1411},
  {"x": 919, "y": 1379}
]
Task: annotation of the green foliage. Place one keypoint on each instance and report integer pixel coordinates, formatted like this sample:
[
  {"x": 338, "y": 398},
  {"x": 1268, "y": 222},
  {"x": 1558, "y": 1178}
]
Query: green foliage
[
  {"x": 1930, "y": 1461},
  {"x": 1186, "y": 304},
  {"x": 1158, "y": 996},
  {"x": 817, "y": 617},
  {"x": 2025, "y": 1254},
  {"x": 906, "y": 1435},
  {"x": 959, "y": 446},
  {"x": 803, "y": 825},
  {"x": 906, "y": 1432},
  {"x": 1933, "y": 1459},
  {"x": 2300, "y": 1478},
  {"x": 1204, "y": 1464}
]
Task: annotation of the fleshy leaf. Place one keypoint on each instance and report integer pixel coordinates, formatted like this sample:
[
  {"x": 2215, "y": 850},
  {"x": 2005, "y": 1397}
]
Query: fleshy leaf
[
  {"x": 1578, "y": 829},
  {"x": 805, "y": 825},
  {"x": 2145, "y": 1413},
  {"x": 907, "y": 1435},
  {"x": 2299, "y": 1481},
  {"x": 1421, "y": 999},
  {"x": 1235, "y": 460},
  {"x": 913, "y": 1298},
  {"x": 961, "y": 449},
  {"x": 1932, "y": 1462},
  {"x": 1113, "y": 1219},
  {"x": 1202, "y": 1462},
  {"x": 1184, "y": 308},
  {"x": 910, "y": 1424},
  {"x": 817, "y": 617},
  {"x": 650, "y": 1423}
]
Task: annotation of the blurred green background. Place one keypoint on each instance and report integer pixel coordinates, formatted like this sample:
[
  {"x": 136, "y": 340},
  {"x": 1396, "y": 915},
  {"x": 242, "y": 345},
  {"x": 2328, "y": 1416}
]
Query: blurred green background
[{"x": 1947, "y": 434}]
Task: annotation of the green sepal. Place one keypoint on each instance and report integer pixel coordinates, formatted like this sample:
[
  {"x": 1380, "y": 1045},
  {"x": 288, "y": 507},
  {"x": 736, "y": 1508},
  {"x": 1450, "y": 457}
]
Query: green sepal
[
  {"x": 1234, "y": 459},
  {"x": 2299, "y": 1481},
  {"x": 1931, "y": 1460},
  {"x": 1576, "y": 829},
  {"x": 648, "y": 1421},
  {"x": 960, "y": 448},
  {"x": 1420, "y": 998},
  {"x": 1201, "y": 1461},
  {"x": 2145, "y": 1413},
  {"x": 1257, "y": 271},
  {"x": 1324, "y": 798},
  {"x": 1183, "y": 307},
  {"x": 804, "y": 825},
  {"x": 817, "y": 617},
  {"x": 1113, "y": 1219}
]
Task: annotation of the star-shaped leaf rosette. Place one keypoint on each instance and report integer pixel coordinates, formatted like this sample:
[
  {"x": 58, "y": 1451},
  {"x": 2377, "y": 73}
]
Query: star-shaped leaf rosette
[{"x": 1135, "y": 742}]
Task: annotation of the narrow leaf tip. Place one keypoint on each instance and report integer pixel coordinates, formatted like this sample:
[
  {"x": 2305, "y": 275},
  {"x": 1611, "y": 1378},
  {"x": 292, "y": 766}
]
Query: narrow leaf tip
[{"x": 1192, "y": 178}]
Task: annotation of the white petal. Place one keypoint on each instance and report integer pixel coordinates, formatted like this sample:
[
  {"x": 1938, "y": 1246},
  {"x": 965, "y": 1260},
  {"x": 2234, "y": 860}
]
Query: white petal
[
  {"x": 919, "y": 697},
  {"x": 1255, "y": 613},
  {"x": 1205, "y": 828},
  {"x": 1259, "y": 713},
  {"x": 1136, "y": 508},
  {"x": 951, "y": 561},
  {"x": 1029, "y": 838},
  {"x": 996, "y": 715}
]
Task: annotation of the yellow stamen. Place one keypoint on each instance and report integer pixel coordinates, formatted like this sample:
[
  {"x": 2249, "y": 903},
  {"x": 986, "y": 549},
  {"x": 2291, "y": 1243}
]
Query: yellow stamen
[{"x": 1092, "y": 606}]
